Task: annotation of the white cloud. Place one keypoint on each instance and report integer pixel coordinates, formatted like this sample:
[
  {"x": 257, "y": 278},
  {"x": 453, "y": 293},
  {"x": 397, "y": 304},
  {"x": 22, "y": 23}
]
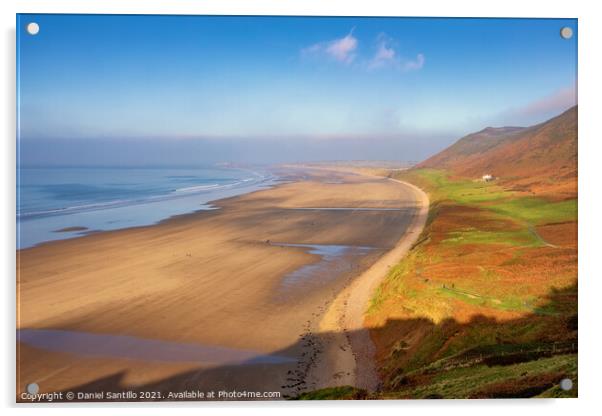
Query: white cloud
[
  {"x": 414, "y": 65},
  {"x": 341, "y": 50},
  {"x": 344, "y": 50},
  {"x": 386, "y": 56}
]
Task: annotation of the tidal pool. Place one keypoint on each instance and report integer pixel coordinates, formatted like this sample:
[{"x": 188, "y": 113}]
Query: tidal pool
[{"x": 335, "y": 259}]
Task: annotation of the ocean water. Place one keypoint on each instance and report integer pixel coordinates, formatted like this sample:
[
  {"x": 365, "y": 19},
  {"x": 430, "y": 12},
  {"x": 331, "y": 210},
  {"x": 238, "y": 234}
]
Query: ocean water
[{"x": 59, "y": 203}]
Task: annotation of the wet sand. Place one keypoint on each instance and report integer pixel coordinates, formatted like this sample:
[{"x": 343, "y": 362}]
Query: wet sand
[
  {"x": 228, "y": 299},
  {"x": 346, "y": 341}
]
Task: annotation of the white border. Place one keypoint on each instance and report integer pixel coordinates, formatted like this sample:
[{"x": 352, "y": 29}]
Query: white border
[
  {"x": 508, "y": 8},
  {"x": 590, "y": 137}
]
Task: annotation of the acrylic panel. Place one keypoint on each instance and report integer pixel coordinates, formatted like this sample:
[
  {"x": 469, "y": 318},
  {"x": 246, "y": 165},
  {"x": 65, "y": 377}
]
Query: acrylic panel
[{"x": 287, "y": 207}]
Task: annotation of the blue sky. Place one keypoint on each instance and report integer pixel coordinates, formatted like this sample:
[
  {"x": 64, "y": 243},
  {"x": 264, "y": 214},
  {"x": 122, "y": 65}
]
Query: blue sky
[{"x": 281, "y": 88}]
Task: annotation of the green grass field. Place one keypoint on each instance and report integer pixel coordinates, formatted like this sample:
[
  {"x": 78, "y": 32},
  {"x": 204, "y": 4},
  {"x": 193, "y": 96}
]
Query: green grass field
[
  {"x": 486, "y": 233},
  {"x": 482, "y": 306},
  {"x": 490, "y": 196}
]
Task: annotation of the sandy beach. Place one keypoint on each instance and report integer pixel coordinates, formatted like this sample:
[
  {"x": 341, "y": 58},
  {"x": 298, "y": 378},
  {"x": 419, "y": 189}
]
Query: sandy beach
[{"x": 229, "y": 299}]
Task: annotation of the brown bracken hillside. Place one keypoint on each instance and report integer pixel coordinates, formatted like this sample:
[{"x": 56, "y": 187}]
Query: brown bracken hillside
[
  {"x": 540, "y": 159},
  {"x": 485, "y": 303}
]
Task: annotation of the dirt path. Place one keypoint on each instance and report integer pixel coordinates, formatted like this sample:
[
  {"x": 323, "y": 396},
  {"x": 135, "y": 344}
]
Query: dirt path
[{"x": 348, "y": 352}]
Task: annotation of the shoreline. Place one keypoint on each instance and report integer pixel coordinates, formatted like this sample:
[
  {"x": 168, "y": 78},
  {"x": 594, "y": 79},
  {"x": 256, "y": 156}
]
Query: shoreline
[
  {"x": 208, "y": 278},
  {"x": 349, "y": 356},
  {"x": 64, "y": 225}
]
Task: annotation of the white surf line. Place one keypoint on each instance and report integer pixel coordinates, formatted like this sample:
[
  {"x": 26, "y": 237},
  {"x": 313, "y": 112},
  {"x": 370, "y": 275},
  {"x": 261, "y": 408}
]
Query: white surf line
[{"x": 348, "y": 357}]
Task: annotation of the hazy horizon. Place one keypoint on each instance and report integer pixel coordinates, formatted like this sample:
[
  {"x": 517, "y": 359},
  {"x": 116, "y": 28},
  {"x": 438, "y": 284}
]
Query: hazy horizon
[{"x": 115, "y": 90}]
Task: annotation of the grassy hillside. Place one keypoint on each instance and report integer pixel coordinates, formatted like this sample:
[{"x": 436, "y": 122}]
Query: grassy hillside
[
  {"x": 485, "y": 303},
  {"x": 540, "y": 159}
]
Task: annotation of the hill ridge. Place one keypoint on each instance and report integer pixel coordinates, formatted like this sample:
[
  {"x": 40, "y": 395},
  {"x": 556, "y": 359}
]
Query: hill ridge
[{"x": 525, "y": 156}]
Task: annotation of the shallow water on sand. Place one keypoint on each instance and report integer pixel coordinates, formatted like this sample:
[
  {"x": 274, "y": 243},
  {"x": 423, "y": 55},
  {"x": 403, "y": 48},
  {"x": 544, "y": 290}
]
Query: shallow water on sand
[
  {"x": 128, "y": 347},
  {"x": 335, "y": 259}
]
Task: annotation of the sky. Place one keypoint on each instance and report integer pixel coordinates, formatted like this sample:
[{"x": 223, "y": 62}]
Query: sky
[{"x": 151, "y": 90}]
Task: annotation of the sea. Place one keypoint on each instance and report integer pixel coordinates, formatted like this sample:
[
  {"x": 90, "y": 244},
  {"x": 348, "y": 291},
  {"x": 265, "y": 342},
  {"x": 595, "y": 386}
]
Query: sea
[{"x": 55, "y": 203}]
